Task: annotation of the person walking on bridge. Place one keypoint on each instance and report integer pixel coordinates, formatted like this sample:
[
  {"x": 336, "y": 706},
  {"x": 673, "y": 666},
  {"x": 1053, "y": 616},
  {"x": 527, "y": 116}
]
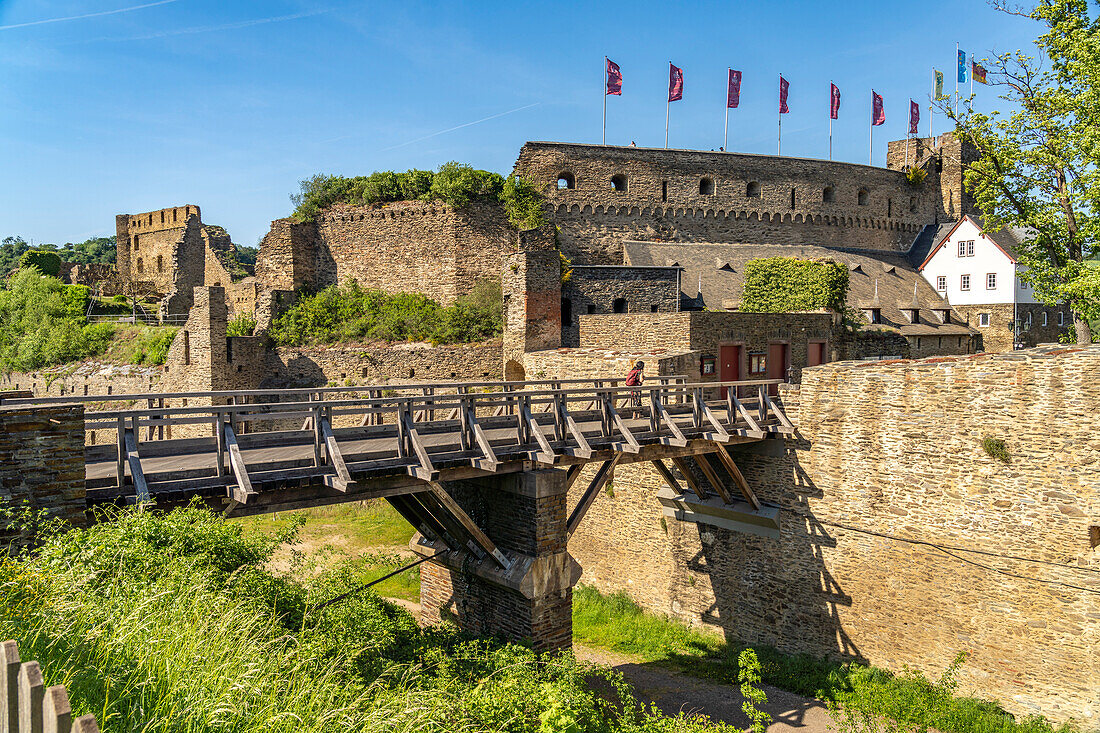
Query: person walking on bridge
[{"x": 634, "y": 378}]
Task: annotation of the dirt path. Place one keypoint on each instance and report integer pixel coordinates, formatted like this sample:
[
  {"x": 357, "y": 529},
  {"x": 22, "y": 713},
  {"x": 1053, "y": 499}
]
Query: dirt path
[{"x": 674, "y": 692}]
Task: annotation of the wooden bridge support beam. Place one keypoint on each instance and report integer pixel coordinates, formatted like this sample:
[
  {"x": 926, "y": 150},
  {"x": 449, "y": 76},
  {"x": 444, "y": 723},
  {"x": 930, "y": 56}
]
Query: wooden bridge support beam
[{"x": 524, "y": 514}]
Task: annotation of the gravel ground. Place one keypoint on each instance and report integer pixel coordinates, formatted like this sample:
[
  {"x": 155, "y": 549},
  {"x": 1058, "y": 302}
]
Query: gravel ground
[{"x": 674, "y": 692}]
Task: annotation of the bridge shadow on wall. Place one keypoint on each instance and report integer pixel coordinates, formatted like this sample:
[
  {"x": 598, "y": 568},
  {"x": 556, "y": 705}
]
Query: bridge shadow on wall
[
  {"x": 298, "y": 371},
  {"x": 773, "y": 592}
]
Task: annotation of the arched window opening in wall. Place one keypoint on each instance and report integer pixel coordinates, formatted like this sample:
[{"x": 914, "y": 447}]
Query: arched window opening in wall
[
  {"x": 162, "y": 217},
  {"x": 160, "y": 263},
  {"x": 566, "y": 180},
  {"x": 175, "y": 215},
  {"x": 135, "y": 243},
  {"x": 828, "y": 195},
  {"x": 752, "y": 190},
  {"x": 566, "y": 312},
  {"x": 706, "y": 186},
  {"x": 514, "y": 371},
  {"x": 664, "y": 192},
  {"x": 619, "y": 306},
  {"x": 792, "y": 198},
  {"x": 862, "y": 197},
  {"x": 889, "y": 207},
  {"x": 140, "y": 265},
  {"x": 618, "y": 182},
  {"x": 150, "y": 220}
]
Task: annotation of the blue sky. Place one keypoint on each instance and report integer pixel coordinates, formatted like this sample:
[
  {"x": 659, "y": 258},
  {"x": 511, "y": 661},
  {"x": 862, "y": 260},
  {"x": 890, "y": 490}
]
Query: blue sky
[{"x": 229, "y": 104}]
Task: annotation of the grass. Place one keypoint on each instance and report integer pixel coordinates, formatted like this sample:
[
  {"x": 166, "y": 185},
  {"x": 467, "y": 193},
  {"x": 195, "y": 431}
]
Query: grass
[{"x": 617, "y": 623}]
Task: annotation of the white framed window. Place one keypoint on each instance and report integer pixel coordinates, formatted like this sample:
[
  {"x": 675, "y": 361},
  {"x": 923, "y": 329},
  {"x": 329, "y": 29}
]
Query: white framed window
[
  {"x": 1044, "y": 318},
  {"x": 983, "y": 319},
  {"x": 966, "y": 249},
  {"x": 941, "y": 282},
  {"x": 964, "y": 282},
  {"x": 991, "y": 281},
  {"x": 1061, "y": 318}
]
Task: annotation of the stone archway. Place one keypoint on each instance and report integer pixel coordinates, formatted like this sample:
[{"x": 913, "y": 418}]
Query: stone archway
[{"x": 514, "y": 371}]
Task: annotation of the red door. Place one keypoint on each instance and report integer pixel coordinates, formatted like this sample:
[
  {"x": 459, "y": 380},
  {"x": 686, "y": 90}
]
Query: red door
[
  {"x": 729, "y": 364},
  {"x": 778, "y": 361},
  {"x": 816, "y": 353}
]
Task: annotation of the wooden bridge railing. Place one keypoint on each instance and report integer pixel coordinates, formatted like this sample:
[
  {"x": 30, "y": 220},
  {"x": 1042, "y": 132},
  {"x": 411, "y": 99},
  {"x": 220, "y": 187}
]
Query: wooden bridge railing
[
  {"x": 28, "y": 706},
  {"x": 543, "y": 425}
]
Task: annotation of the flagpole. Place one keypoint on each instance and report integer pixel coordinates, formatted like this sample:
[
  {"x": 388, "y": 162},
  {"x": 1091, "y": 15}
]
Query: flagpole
[
  {"x": 931, "y": 105},
  {"x": 668, "y": 103},
  {"x": 908, "y": 135},
  {"x": 726, "y": 126},
  {"x": 871, "y": 133},
  {"x": 956, "y": 79},
  {"x": 779, "y": 150},
  {"x": 603, "y": 140},
  {"x": 830, "y": 119}
]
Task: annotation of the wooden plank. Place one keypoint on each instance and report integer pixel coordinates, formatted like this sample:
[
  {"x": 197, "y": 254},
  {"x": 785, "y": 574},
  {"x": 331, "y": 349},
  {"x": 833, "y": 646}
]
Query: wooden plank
[
  {"x": 583, "y": 449},
  {"x": 57, "y": 715},
  {"x": 419, "y": 518},
  {"x": 689, "y": 477},
  {"x": 489, "y": 459},
  {"x": 425, "y": 471},
  {"x": 573, "y": 474},
  {"x": 720, "y": 433},
  {"x": 677, "y": 438},
  {"x": 244, "y": 490},
  {"x": 713, "y": 477},
  {"x": 631, "y": 445},
  {"x": 738, "y": 478},
  {"x": 754, "y": 427},
  {"x": 9, "y": 686},
  {"x": 468, "y": 524},
  {"x": 547, "y": 454},
  {"x": 598, "y": 481},
  {"x": 774, "y": 409},
  {"x": 662, "y": 469},
  {"x": 141, "y": 486},
  {"x": 32, "y": 690},
  {"x": 335, "y": 456}
]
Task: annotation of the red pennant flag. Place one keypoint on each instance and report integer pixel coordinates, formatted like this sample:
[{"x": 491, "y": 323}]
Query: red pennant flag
[
  {"x": 834, "y": 101},
  {"x": 914, "y": 117},
  {"x": 733, "y": 95},
  {"x": 878, "y": 112},
  {"x": 675, "y": 83},
  {"x": 614, "y": 78},
  {"x": 783, "y": 86}
]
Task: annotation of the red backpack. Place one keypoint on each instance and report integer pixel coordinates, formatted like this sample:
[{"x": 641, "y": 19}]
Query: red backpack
[{"x": 633, "y": 378}]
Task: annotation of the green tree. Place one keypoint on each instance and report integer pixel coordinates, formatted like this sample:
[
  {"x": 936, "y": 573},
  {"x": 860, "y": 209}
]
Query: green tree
[
  {"x": 11, "y": 250},
  {"x": 1037, "y": 165},
  {"x": 45, "y": 261}
]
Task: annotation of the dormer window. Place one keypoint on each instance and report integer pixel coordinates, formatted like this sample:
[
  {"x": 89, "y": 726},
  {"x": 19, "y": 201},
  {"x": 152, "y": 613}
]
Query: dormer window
[
  {"x": 873, "y": 315},
  {"x": 913, "y": 314},
  {"x": 944, "y": 315}
]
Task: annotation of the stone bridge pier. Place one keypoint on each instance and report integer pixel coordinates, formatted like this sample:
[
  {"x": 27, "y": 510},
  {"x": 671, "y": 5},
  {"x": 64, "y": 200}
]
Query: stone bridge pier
[{"x": 525, "y": 516}]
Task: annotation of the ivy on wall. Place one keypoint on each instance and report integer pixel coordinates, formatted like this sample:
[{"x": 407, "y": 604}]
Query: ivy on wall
[{"x": 786, "y": 284}]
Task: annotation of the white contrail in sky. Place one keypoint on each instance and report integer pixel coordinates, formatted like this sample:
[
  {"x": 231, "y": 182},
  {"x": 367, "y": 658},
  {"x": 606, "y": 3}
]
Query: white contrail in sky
[
  {"x": 222, "y": 27},
  {"x": 459, "y": 127},
  {"x": 86, "y": 15}
]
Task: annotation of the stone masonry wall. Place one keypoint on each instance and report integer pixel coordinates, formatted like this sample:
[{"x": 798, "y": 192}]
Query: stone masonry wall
[
  {"x": 998, "y": 336},
  {"x": 696, "y": 196},
  {"x": 902, "y": 542},
  {"x": 42, "y": 460},
  {"x": 595, "y": 289}
]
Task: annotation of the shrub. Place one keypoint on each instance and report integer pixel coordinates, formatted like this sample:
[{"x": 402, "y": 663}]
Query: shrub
[
  {"x": 48, "y": 263},
  {"x": 144, "y": 345},
  {"x": 346, "y": 313},
  {"x": 916, "y": 175},
  {"x": 996, "y": 448},
  {"x": 523, "y": 203},
  {"x": 786, "y": 284},
  {"x": 242, "y": 325},
  {"x": 42, "y": 323}
]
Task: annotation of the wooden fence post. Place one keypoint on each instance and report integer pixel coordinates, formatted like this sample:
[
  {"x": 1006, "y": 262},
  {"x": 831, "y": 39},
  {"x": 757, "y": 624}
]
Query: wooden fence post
[
  {"x": 31, "y": 694},
  {"x": 9, "y": 687},
  {"x": 57, "y": 715}
]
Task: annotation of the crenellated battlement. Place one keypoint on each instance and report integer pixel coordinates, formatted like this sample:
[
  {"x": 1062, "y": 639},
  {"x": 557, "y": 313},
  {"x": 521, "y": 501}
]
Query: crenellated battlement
[{"x": 174, "y": 217}]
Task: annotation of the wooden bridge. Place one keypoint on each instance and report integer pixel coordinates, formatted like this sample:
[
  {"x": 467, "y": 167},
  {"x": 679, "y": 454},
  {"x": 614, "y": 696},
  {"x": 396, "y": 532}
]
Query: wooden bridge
[{"x": 270, "y": 450}]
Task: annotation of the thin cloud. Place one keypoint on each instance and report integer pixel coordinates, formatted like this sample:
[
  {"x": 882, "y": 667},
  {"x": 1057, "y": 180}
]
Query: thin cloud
[
  {"x": 85, "y": 15},
  {"x": 450, "y": 129},
  {"x": 212, "y": 28}
]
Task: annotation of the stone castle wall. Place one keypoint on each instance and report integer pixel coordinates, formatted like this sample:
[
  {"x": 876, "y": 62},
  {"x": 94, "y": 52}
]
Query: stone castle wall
[
  {"x": 407, "y": 246},
  {"x": 999, "y": 335},
  {"x": 944, "y": 158},
  {"x": 147, "y": 244},
  {"x": 621, "y": 193},
  {"x": 902, "y": 542},
  {"x": 598, "y": 289}
]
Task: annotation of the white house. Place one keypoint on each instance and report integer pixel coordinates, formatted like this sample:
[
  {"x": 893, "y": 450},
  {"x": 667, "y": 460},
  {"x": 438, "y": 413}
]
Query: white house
[{"x": 978, "y": 272}]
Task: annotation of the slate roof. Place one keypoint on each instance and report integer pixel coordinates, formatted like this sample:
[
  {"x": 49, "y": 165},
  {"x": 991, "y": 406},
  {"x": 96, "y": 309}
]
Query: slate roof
[
  {"x": 932, "y": 236},
  {"x": 718, "y": 269}
]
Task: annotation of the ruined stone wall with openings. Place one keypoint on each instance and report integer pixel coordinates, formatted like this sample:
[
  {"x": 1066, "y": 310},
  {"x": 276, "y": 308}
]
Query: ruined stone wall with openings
[
  {"x": 610, "y": 194},
  {"x": 146, "y": 245},
  {"x": 616, "y": 289},
  {"x": 945, "y": 158},
  {"x": 406, "y": 246},
  {"x": 903, "y": 542},
  {"x": 531, "y": 286}
]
